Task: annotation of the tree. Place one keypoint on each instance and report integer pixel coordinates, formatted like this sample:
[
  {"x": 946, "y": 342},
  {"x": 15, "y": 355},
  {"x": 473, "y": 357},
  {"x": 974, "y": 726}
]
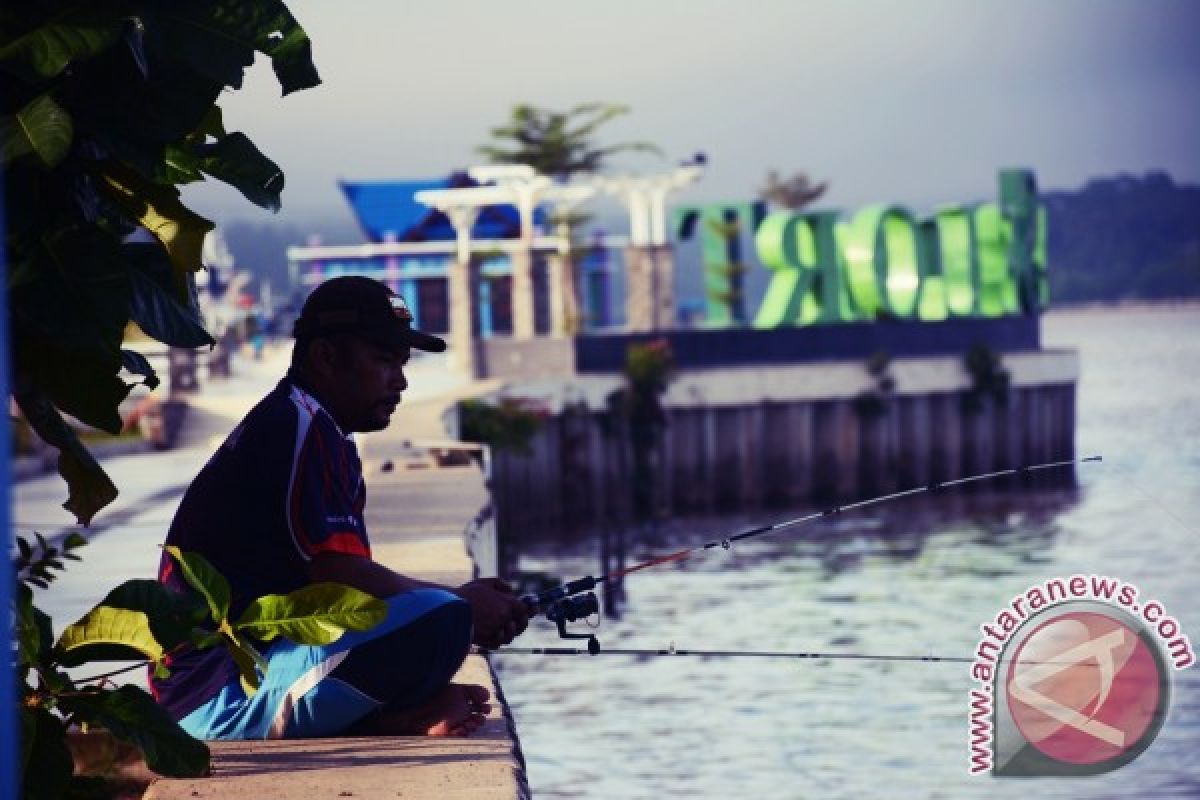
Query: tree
[
  {"x": 561, "y": 145},
  {"x": 104, "y": 109},
  {"x": 792, "y": 193},
  {"x": 555, "y": 143}
]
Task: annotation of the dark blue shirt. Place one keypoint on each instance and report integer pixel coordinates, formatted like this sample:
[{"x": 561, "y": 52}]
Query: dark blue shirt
[{"x": 285, "y": 486}]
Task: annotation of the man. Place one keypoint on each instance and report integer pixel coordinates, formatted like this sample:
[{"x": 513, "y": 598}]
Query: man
[{"x": 280, "y": 505}]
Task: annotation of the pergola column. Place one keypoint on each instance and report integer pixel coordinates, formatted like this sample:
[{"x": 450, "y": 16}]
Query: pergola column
[
  {"x": 463, "y": 292},
  {"x": 649, "y": 259}
]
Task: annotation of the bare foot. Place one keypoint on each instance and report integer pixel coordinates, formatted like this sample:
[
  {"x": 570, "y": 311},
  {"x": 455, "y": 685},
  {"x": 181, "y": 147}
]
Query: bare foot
[{"x": 457, "y": 710}]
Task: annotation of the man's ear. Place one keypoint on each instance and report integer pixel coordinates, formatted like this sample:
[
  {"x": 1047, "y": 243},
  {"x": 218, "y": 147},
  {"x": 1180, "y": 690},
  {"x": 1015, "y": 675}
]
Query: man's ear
[{"x": 323, "y": 357}]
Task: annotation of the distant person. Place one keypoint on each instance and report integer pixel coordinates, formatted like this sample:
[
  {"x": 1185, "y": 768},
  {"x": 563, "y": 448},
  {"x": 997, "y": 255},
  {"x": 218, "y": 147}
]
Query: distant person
[{"x": 280, "y": 505}]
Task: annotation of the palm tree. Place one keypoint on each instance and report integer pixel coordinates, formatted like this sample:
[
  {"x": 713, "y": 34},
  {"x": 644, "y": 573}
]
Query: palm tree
[
  {"x": 791, "y": 193},
  {"x": 558, "y": 143}
]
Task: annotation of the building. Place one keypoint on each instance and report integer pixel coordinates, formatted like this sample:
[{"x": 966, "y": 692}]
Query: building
[{"x": 411, "y": 247}]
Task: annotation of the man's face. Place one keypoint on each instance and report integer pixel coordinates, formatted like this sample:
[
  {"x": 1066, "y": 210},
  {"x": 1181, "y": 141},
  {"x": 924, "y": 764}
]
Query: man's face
[{"x": 367, "y": 381}]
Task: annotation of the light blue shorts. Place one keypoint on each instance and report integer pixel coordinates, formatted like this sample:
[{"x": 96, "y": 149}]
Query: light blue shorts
[{"x": 310, "y": 691}]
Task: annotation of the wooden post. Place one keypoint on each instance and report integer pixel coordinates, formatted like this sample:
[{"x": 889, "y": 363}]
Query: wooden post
[
  {"x": 750, "y": 456},
  {"x": 914, "y": 441},
  {"x": 708, "y": 459},
  {"x": 945, "y": 457}
]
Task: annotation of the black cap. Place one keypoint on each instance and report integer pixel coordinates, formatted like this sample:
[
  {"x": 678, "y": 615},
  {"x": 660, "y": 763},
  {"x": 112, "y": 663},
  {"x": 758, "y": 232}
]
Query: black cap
[{"x": 364, "y": 307}]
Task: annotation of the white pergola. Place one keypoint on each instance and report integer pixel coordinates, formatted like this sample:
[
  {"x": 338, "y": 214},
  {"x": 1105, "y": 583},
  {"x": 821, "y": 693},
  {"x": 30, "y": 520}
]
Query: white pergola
[
  {"x": 519, "y": 185},
  {"x": 645, "y": 197}
]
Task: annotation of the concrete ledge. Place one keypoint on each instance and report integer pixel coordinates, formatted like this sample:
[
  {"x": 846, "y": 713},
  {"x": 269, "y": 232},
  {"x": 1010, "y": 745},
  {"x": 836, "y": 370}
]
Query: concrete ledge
[
  {"x": 738, "y": 386},
  {"x": 483, "y": 766}
]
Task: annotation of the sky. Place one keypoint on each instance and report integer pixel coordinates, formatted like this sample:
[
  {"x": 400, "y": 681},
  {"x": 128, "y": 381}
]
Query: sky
[{"x": 918, "y": 102}]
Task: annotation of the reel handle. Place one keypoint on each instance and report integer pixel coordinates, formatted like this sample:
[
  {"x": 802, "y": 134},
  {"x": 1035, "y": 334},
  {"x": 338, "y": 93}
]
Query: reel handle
[{"x": 541, "y": 602}]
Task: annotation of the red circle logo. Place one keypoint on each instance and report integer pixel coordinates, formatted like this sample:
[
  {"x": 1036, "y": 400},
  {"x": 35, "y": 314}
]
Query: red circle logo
[{"x": 1085, "y": 688}]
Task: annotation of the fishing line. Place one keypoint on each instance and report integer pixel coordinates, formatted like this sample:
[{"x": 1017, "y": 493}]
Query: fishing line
[
  {"x": 672, "y": 651},
  {"x": 777, "y": 654}
]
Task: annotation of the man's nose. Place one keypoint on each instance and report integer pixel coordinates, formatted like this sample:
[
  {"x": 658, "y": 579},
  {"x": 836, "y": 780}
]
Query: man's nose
[{"x": 399, "y": 380}]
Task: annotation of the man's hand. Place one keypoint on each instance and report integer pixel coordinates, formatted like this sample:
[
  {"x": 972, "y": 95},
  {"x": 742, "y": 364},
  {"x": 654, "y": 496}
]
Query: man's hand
[{"x": 497, "y": 613}]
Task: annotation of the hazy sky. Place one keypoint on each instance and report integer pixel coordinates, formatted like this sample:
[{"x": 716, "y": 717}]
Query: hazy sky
[{"x": 916, "y": 102}]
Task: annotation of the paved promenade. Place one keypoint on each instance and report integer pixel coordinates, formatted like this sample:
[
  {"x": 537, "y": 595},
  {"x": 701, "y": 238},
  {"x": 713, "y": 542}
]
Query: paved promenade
[{"x": 416, "y": 514}]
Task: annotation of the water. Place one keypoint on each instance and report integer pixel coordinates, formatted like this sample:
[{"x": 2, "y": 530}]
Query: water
[{"x": 916, "y": 577}]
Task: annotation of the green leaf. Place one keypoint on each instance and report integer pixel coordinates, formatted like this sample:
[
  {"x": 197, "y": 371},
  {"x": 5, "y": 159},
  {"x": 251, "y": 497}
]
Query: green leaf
[
  {"x": 290, "y": 50},
  {"x": 42, "y": 127},
  {"x": 204, "y": 578},
  {"x": 33, "y": 632},
  {"x": 46, "y": 51},
  {"x": 46, "y": 761},
  {"x": 108, "y": 634},
  {"x": 218, "y": 39},
  {"x": 131, "y": 714},
  {"x": 171, "y": 614},
  {"x": 157, "y": 209},
  {"x": 89, "y": 487},
  {"x": 317, "y": 614},
  {"x": 235, "y": 160},
  {"x": 204, "y": 639},
  {"x": 154, "y": 307},
  {"x": 93, "y": 280},
  {"x": 250, "y": 663},
  {"x": 138, "y": 364},
  {"x": 180, "y": 165}
]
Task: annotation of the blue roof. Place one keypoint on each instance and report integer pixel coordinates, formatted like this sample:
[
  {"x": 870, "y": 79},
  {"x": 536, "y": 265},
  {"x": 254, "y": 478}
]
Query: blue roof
[{"x": 387, "y": 210}]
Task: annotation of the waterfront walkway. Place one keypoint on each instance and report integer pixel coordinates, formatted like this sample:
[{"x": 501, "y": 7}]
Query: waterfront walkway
[{"x": 416, "y": 513}]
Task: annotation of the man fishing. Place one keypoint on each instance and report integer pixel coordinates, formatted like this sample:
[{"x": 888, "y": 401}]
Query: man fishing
[{"x": 280, "y": 505}]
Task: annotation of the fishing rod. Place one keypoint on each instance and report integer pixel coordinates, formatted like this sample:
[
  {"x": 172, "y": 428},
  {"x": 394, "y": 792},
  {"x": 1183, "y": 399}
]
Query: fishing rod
[
  {"x": 673, "y": 651},
  {"x": 576, "y": 600}
]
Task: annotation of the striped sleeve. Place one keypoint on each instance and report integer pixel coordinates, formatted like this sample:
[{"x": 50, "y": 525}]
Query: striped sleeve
[{"x": 325, "y": 493}]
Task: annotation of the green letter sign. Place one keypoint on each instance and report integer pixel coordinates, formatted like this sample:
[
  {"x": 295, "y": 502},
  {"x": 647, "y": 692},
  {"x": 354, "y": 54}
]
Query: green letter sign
[{"x": 985, "y": 260}]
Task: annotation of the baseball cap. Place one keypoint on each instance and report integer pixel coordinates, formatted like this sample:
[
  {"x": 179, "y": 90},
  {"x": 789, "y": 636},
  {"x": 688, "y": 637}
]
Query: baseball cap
[{"x": 364, "y": 307}]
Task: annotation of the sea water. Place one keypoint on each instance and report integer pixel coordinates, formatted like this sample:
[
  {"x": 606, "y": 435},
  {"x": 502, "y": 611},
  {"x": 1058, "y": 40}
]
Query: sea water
[{"x": 916, "y": 577}]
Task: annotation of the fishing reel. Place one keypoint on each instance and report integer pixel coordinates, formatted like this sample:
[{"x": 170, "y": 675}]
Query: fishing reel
[{"x": 570, "y": 602}]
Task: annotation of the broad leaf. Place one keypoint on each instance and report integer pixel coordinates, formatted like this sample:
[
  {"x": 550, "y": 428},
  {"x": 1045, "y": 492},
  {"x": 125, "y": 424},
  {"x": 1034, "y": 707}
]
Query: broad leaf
[
  {"x": 157, "y": 209},
  {"x": 171, "y": 614},
  {"x": 95, "y": 281},
  {"x": 131, "y": 714},
  {"x": 89, "y": 486},
  {"x": 317, "y": 614},
  {"x": 42, "y": 127},
  {"x": 204, "y": 578},
  {"x": 180, "y": 165},
  {"x": 250, "y": 663},
  {"x": 212, "y": 125},
  {"x": 155, "y": 308},
  {"x": 138, "y": 364},
  {"x": 235, "y": 160},
  {"x": 46, "y": 762},
  {"x": 108, "y": 634},
  {"x": 181, "y": 162},
  {"x": 218, "y": 39},
  {"x": 203, "y": 639},
  {"x": 46, "y": 51},
  {"x": 290, "y": 50}
]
